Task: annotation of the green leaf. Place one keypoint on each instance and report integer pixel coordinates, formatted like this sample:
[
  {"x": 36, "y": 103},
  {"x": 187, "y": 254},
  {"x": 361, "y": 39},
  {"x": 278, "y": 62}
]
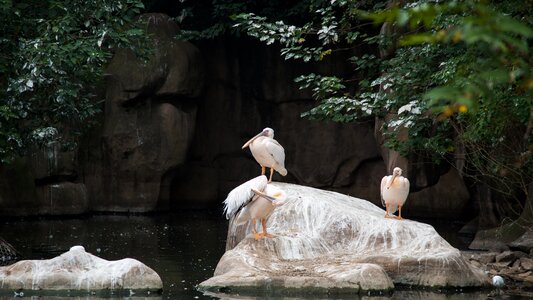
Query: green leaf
[{"x": 417, "y": 39}]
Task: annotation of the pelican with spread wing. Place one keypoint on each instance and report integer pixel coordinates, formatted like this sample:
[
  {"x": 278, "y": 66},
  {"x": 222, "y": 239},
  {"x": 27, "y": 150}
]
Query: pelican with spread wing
[
  {"x": 394, "y": 191},
  {"x": 254, "y": 200},
  {"x": 267, "y": 152}
]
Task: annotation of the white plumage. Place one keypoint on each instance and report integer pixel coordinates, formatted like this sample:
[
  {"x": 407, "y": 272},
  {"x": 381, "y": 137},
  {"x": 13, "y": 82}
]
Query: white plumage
[
  {"x": 394, "y": 192},
  {"x": 262, "y": 205},
  {"x": 253, "y": 200},
  {"x": 241, "y": 195},
  {"x": 267, "y": 152}
]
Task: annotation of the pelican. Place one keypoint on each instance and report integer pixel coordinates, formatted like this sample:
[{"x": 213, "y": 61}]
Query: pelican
[
  {"x": 267, "y": 152},
  {"x": 394, "y": 191},
  {"x": 254, "y": 200}
]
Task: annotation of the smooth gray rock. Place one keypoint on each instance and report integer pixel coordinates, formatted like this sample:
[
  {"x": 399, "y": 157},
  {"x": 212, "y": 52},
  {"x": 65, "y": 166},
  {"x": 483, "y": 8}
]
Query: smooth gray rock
[
  {"x": 524, "y": 242},
  {"x": 77, "y": 270}
]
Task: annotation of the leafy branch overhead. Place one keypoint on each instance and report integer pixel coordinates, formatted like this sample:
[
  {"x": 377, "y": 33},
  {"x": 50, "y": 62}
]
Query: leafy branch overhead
[
  {"x": 52, "y": 63},
  {"x": 460, "y": 74}
]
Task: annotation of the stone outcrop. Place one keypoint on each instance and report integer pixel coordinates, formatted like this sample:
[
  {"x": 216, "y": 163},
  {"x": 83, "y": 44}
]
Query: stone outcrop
[
  {"x": 516, "y": 267},
  {"x": 172, "y": 135},
  {"x": 78, "y": 271},
  {"x": 524, "y": 242},
  {"x": 244, "y": 94},
  {"x": 148, "y": 126},
  {"x": 150, "y": 118},
  {"x": 321, "y": 233},
  {"x": 46, "y": 181},
  {"x": 249, "y": 87},
  {"x": 516, "y": 234}
]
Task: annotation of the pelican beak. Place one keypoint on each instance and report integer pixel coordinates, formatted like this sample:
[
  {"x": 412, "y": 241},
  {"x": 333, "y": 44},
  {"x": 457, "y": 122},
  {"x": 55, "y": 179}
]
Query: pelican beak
[
  {"x": 392, "y": 181},
  {"x": 251, "y": 140},
  {"x": 263, "y": 195}
]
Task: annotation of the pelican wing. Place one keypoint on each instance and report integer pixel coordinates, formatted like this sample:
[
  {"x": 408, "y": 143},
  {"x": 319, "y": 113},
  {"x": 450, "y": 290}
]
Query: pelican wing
[
  {"x": 405, "y": 188},
  {"x": 406, "y": 184},
  {"x": 241, "y": 195},
  {"x": 277, "y": 151},
  {"x": 383, "y": 184}
]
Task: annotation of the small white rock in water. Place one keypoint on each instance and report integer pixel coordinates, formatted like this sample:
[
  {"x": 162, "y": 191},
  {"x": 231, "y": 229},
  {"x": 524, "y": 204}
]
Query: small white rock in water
[
  {"x": 498, "y": 282},
  {"x": 78, "y": 270}
]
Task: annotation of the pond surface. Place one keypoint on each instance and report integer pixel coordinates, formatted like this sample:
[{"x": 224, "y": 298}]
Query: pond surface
[{"x": 183, "y": 248}]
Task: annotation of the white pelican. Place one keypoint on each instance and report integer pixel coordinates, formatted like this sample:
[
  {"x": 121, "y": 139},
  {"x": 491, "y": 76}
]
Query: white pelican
[
  {"x": 394, "y": 191},
  {"x": 253, "y": 200},
  {"x": 267, "y": 152}
]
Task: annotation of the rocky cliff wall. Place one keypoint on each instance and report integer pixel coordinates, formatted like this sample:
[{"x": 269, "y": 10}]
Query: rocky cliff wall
[{"x": 173, "y": 128}]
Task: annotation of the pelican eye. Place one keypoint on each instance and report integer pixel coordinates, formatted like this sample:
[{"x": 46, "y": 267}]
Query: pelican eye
[{"x": 276, "y": 195}]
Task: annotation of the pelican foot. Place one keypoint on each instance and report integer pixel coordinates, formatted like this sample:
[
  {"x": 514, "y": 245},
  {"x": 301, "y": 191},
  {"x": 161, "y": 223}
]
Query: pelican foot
[
  {"x": 399, "y": 217},
  {"x": 257, "y": 236},
  {"x": 389, "y": 217},
  {"x": 267, "y": 235}
]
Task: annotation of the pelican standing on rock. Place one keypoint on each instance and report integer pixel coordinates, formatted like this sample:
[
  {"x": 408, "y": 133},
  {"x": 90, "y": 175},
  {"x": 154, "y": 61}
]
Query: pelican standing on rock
[
  {"x": 254, "y": 200},
  {"x": 394, "y": 191},
  {"x": 267, "y": 152}
]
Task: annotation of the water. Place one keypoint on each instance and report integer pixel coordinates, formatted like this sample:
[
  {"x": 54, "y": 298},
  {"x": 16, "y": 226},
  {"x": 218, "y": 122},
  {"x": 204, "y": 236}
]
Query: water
[{"x": 183, "y": 248}]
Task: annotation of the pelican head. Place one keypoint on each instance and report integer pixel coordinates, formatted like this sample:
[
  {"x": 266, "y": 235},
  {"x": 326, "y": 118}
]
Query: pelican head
[
  {"x": 273, "y": 194},
  {"x": 395, "y": 173},
  {"x": 267, "y": 132}
]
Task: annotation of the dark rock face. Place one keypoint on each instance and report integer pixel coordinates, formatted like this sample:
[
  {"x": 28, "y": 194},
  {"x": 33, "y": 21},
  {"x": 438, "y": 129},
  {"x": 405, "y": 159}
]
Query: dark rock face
[
  {"x": 42, "y": 183},
  {"x": 250, "y": 87},
  {"x": 173, "y": 129},
  {"x": 516, "y": 234},
  {"x": 148, "y": 126},
  {"x": 149, "y": 121},
  {"x": 524, "y": 242}
]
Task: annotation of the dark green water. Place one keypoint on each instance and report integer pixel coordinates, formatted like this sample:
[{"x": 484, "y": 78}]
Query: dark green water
[{"x": 183, "y": 248}]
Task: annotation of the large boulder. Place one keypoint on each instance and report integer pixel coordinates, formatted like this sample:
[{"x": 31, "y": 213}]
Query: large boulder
[
  {"x": 77, "y": 271},
  {"x": 325, "y": 240}
]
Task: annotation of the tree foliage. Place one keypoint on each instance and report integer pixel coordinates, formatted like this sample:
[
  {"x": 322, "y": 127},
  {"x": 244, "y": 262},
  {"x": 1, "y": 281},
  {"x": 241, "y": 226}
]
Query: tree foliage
[{"x": 52, "y": 60}]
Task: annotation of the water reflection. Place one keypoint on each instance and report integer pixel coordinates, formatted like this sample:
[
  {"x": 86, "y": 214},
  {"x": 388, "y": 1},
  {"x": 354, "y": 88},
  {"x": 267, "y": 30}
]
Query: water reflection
[
  {"x": 414, "y": 295},
  {"x": 183, "y": 248}
]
